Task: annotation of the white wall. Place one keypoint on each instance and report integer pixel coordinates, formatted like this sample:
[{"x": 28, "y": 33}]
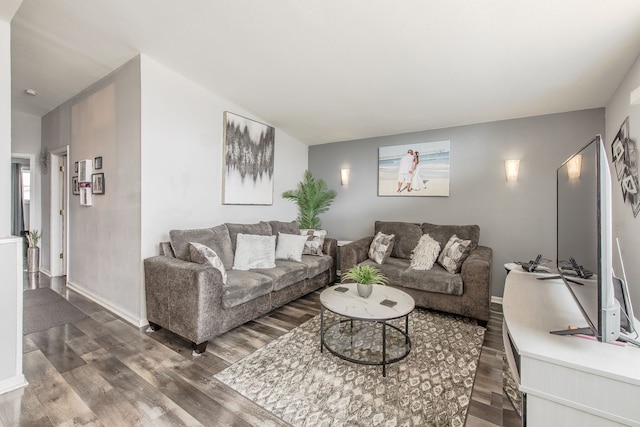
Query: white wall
[
  {"x": 517, "y": 220},
  {"x": 5, "y": 128},
  {"x": 182, "y": 159},
  {"x": 625, "y": 226},
  {"x": 25, "y": 139}
]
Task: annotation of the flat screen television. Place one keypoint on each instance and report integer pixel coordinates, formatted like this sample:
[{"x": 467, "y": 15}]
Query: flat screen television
[{"x": 585, "y": 242}]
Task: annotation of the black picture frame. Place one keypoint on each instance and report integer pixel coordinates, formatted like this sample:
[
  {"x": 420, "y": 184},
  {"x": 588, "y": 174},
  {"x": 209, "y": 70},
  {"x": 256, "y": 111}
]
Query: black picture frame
[
  {"x": 97, "y": 183},
  {"x": 75, "y": 185},
  {"x": 97, "y": 163},
  {"x": 76, "y": 167}
]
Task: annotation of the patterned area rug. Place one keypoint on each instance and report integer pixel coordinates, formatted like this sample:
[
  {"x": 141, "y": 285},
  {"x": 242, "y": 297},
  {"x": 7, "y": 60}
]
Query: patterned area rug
[{"x": 432, "y": 386}]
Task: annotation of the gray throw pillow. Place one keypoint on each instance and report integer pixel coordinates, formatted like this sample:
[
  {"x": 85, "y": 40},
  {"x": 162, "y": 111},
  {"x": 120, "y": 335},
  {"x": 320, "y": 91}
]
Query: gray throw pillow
[
  {"x": 217, "y": 238},
  {"x": 260, "y": 229},
  {"x": 202, "y": 254},
  {"x": 315, "y": 241},
  {"x": 254, "y": 251},
  {"x": 381, "y": 246},
  {"x": 454, "y": 253}
]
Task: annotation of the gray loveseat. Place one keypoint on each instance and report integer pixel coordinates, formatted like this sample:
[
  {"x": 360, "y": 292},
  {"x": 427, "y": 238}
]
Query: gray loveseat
[
  {"x": 467, "y": 293},
  {"x": 190, "y": 299}
]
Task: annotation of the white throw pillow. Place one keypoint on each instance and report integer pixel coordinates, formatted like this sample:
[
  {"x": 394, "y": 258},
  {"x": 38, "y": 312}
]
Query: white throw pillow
[
  {"x": 381, "y": 247},
  {"x": 202, "y": 254},
  {"x": 454, "y": 253},
  {"x": 290, "y": 246},
  {"x": 315, "y": 241},
  {"x": 425, "y": 254},
  {"x": 253, "y": 251}
]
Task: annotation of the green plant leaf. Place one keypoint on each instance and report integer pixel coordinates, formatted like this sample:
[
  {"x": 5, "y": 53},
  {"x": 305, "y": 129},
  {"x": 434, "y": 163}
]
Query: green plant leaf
[{"x": 313, "y": 197}]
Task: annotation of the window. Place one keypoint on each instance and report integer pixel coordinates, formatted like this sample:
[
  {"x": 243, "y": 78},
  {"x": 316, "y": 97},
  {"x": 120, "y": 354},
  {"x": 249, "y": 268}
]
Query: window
[{"x": 26, "y": 184}]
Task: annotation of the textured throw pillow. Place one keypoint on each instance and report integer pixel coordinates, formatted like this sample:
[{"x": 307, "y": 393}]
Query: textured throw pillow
[
  {"x": 254, "y": 251},
  {"x": 381, "y": 247},
  {"x": 290, "y": 246},
  {"x": 425, "y": 254},
  {"x": 315, "y": 241},
  {"x": 454, "y": 253},
  {"x": 202, "y": 254}
]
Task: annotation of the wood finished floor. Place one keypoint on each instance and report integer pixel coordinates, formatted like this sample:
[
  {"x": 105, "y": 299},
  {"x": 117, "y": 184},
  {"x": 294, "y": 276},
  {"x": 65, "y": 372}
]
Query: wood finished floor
[{"x": 103, "y": 371}]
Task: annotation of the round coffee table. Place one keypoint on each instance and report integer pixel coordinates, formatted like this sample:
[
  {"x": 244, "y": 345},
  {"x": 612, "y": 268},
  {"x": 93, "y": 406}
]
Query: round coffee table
[{"x": 364, "y": 335}]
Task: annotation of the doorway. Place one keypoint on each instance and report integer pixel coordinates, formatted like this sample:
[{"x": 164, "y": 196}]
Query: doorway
[{"x": 59, "y": 212}]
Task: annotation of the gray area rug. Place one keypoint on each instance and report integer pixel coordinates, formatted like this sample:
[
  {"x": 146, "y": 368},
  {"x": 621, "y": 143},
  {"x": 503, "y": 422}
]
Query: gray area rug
[
  {"x": 44, "y": 309},
  {"x": 290, "y": 378}
]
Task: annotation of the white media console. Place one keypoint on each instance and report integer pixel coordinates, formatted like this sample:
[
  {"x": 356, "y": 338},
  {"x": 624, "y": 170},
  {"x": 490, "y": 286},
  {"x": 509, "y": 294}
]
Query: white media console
[{"x": 565, "y": 380}]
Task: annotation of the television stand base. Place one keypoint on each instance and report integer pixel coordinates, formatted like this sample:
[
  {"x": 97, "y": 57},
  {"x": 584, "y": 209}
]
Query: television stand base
[{"x": 582, "y": 331}]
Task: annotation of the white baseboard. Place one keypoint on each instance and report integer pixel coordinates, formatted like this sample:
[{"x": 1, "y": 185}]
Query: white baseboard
[
  {"x": 129, "y": 317},
  {"x": 45, "y": 272},
  {"x": 497, "y": 300},
  {"x": 13, "y": 383}
]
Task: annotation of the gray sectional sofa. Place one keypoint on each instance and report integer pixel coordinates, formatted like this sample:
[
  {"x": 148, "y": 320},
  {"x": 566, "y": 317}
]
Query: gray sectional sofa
[
  {"x": 191, "y": 300},
  {"x": 466, "y": 293}
]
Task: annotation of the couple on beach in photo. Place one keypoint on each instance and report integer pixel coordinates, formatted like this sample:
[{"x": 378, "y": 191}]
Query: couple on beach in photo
[{"x": 409, "y": 172}]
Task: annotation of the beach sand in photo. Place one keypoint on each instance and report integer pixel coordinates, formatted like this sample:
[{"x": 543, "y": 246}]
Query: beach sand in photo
[{"x": 388, "y": 186}]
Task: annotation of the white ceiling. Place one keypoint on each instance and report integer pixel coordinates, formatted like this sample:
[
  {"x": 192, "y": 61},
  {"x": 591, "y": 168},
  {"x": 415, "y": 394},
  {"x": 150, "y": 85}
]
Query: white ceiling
[{"x": 333, "y": 70}]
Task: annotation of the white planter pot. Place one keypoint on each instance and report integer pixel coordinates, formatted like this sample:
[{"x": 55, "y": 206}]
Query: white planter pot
[{"x": 364, "y": 290}]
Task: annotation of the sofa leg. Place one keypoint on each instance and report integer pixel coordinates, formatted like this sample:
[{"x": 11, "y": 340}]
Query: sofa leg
[
  {"x": 153, "y": 327},
  {"x": 198, "y": 349}
]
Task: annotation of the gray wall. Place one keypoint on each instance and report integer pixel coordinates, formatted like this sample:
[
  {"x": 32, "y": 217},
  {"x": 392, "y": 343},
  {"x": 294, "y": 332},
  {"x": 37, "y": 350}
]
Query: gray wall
[{"x": 517, "y": 220}]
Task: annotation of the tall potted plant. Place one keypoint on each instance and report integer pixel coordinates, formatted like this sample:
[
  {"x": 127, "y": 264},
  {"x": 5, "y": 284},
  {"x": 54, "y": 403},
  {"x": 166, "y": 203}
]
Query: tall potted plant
[
  {"x": 364, "y": 275},
  {"x": 33, "y": 251},
  {"x": 313, "y": 197}
]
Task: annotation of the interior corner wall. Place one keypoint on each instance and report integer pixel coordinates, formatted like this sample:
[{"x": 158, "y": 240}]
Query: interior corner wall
[
  {"x": 626, "y": 227},
  {"x": 182, "y": 135},
  {"x": 5, "y": 128},
  {"x": 517, "y": 220},
  {"x": 104, "y": 261},
  {"x": 25, "y": 139}
]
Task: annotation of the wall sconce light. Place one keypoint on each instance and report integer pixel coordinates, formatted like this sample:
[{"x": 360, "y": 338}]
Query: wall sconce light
[
  {"x": 574, "y": 167},
  {"x": 344, "y": 176},
  {"x": 511, "y": 168}
]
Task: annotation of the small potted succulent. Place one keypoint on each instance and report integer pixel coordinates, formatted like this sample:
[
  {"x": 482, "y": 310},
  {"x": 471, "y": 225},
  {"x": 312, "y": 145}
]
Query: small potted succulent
[
  {"x": 365, "y": 276},
  {"x": 33, "y": 251}
]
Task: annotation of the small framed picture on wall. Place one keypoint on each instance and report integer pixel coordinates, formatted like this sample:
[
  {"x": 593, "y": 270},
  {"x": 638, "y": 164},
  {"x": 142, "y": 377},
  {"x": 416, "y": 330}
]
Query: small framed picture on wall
[
  {"x": 97, "y": 163},
  {"x": 76, "y": 167},
  {"x": 75, "y": 185},
  {"x": 97, "y": 183}
]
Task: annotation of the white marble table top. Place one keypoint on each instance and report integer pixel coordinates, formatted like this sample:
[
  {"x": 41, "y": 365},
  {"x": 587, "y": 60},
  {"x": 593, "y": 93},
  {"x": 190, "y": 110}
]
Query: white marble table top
[{"x": 352, "y": 305}]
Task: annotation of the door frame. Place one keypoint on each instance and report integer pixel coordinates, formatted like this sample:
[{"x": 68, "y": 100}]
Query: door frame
[{"x": 58, "y": 242}]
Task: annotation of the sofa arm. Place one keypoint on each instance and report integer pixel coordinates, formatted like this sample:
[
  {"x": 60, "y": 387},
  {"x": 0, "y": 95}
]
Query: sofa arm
[
  {"x": 354, "y": 253},
  {"x": 331, "y": 248},
  {"x": 184, "y": 297},
  {"x": 476, "y": 279}
]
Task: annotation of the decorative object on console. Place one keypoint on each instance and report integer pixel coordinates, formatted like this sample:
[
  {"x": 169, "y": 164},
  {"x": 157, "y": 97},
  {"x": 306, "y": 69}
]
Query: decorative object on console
[
  {"x": 511, "y": 169},
  {"x": 97, "y": 183},
  {"x": 248, "y": 161},
  {"x": 381, "y": 246},
  {"x": 455, "y": 252},
  {"x": 420, "y": 169},
  {"x": 425, "y": 253},
  {"x": 364, "y": 275},
  {"x": 313, "y": 197},
  {"x": 625, "y": 159}
]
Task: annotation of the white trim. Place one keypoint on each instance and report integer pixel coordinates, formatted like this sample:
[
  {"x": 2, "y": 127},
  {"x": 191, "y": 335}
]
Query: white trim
[
  {"x": 129, "y": 317},
  {"x": 55, "y": 243},
  {"x": 45, "y": 272},
  {"x": 496, "y": 300},
  {"x": 13, "y": 383}
]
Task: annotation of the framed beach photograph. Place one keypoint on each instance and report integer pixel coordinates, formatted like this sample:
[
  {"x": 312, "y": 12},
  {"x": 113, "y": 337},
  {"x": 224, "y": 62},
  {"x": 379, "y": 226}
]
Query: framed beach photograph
[
  {"x": 97, "y": 183},
  {"x": 75, "y": 186},
  {"x": 247, "y": 172},
  {"x": 414, "y": 170}
]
